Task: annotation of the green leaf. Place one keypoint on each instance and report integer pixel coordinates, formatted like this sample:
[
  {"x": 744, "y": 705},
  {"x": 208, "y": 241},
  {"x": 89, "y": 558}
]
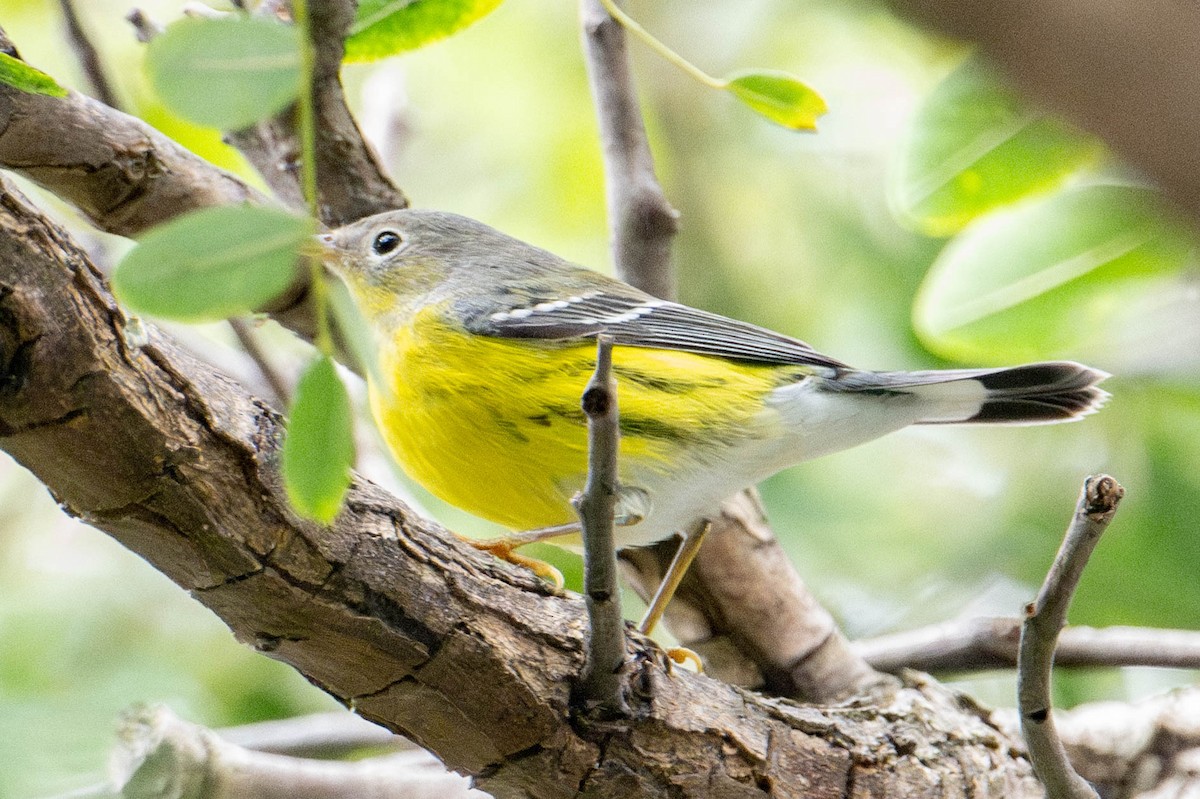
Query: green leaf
[
  {"x": 19, "y": 75},
  {"x": 226, "y": 73},
  {"x": 213, "y": 263},
  {"x": 355, "y": 331},
  {"x": 318, "y": 450},
  {"x": 383, "y": 28},
  {"x": 975, "y": 146},
  {"x": 1049, "y": 277},
  {"x": 780, "y": 97}
]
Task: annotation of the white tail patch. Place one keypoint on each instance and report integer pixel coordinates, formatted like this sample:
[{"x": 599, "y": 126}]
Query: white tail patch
[{"x": 953, "y": 401}]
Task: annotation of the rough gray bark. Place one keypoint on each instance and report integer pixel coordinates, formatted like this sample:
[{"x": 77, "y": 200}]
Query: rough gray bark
[{"x": 392, "y": 615}]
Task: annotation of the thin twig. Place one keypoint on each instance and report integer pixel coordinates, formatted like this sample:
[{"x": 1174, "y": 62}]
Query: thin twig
[
  {"x": 600, "y": 686},
  {"x": 248, "y": 340},
  {"x": 88, "y": 57},
  {"x": 641, "y": 221},
  {"x": 329, "y": 735},
  {"x": 156, "y": 748},
  {"x": 739, "y": 570},
  {"x": 144, "y": 26},
  {"x": 990, "y": 642},
  {"x": 1044, "y": 619}
]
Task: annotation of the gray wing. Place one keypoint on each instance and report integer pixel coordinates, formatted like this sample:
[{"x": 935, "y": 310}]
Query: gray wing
[{"x": 641, "y": 321}]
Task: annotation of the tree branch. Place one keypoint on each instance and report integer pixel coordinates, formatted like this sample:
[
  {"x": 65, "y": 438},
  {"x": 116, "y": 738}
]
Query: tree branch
[
  {"x": 118, "y": 171},
  {"x": 89, "y": 59},
  {"x": 641, "y": 221},
  {"x": 718, "y": 611},
  {"x": 600, "y": 684},
  {"x": 160, "y": 755},
  {"x": 469, "y": 657},
  {"x": 320, "y": 735},
  {"x": 1039, "y": 634},
  {"x": 979, "y": 644}
]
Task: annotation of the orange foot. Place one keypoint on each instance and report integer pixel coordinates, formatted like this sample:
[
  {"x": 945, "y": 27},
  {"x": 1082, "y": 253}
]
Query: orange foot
[{"x": 505, "y": 549}]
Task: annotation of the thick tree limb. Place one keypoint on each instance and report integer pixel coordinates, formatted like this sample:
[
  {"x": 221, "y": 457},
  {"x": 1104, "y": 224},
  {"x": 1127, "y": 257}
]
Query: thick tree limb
[
  {"x": 120, "y": 172},
  {"x": 466, "y": 656}
]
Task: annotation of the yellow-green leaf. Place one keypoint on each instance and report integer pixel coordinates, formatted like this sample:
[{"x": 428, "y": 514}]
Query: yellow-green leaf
[
  {"x": 213, "y": 263},
  {"x": 976, "y": 145},
  {"x": 19, "y": 75},
  {"x": 226, "y": 73},
  {"x": 1048, "y": 277},
  {"x": 383, "y": 28},
  {"x": 318, "y": 448},
  {"x": 780, "y": 97}
]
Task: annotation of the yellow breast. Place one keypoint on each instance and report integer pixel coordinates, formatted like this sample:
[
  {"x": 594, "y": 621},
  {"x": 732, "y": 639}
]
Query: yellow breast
[{"x": 493, "y": 426}]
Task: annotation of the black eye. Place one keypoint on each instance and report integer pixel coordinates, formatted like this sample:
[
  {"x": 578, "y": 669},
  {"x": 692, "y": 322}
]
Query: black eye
[{"x": 386, "y": 241}]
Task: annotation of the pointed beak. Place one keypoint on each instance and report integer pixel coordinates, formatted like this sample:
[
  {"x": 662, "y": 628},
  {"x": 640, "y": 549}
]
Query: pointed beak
[{"x": 325, "y": 250}]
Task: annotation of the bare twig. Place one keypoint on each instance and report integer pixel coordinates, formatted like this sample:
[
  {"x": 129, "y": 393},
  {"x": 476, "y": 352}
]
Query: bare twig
[
  {"x": 248, "y": 340},
  {"x": 89, "y": 59},
  {"x": 600, "y": 686},
  {"x": 144, "y": 26},
  {"x": 641, "y": 221},
  {"x": 156, "y": 749},
  {"x": 799, "y": 652},
  {"x": 991, "y": 643},
  {"x": 1039, "y": 633},
  {"x": 320, "y": 735}
]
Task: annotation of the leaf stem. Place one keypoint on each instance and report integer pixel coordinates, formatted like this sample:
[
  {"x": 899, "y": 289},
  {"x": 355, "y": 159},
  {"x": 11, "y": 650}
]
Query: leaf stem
[
  {"x": 308, "y": 168},
  {"x": 631, "y": 25}
]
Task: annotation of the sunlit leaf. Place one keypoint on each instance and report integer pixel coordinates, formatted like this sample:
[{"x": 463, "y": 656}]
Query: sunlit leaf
[
  {"x": 19, "y": 75},
  {"x": 1040, "y": 280},
  {"x": 213, "y": 263},
  {"x": 974, "y": 146},
  {"x": 318, "y": 450},
  {"x": 226, "y": 73},
  {"x": 383, "y": 28},
  {"x": 779, "y": 97}
]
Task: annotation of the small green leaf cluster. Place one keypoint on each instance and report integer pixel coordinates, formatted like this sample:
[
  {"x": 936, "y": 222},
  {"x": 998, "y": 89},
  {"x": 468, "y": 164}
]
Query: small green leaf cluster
[{"x": 1047, "y": 255}]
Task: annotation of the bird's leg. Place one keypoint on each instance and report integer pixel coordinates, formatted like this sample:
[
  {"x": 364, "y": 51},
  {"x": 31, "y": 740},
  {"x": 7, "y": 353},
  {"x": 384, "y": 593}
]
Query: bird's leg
[
  {"x": 684, "y": 556},
  {"x": 632, "y": 506},
  {"x": 505, "y": 548}
]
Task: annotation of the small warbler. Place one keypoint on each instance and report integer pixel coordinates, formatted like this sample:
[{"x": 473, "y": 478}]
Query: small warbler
[{"x": 485, "y": 344}]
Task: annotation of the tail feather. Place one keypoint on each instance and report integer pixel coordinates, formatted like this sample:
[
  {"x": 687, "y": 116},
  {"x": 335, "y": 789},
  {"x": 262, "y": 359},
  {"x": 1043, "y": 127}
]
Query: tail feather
[{"x": 1036, "y": 393}]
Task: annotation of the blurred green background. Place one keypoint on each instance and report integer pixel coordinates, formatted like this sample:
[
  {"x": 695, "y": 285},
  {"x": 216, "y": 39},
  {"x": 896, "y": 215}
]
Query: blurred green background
[{"x": 786, "y": 230}]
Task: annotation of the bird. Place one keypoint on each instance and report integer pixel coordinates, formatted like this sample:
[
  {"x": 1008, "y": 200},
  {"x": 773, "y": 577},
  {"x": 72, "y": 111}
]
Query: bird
[{"x": 483, "y": 345}]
